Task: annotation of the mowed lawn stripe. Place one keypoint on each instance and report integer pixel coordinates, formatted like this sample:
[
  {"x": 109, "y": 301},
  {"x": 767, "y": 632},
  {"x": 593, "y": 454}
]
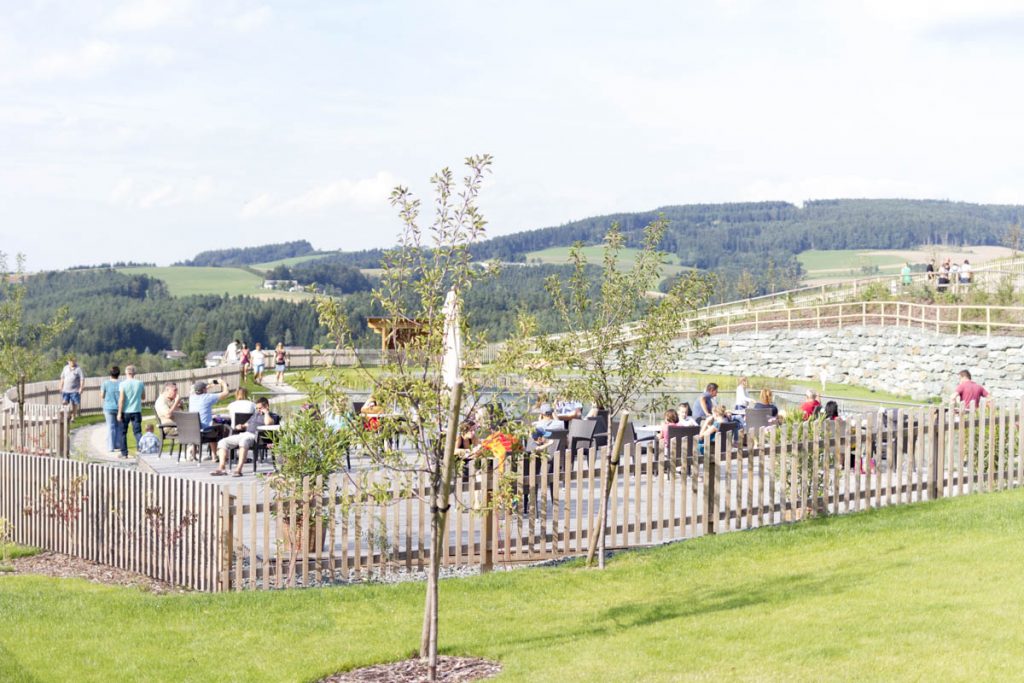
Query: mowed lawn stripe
[{"x": 924, "y": 592}]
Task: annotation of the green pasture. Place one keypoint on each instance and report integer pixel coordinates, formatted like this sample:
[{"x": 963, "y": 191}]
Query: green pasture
[
  {"x": 187, "y": 280},
  {"x": 845, "y": 261},
  {"x": 594, "y": 255},
  {"x": 291, "y": 261},
  {"x": 923, "y": 592}
]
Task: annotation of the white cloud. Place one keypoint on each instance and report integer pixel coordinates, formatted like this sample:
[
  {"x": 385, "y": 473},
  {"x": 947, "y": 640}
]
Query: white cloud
[
  {"x": 144, "y": 15},
  {"x": 366, "y": 194},
  {"x": 128, "y": 193},
  {"x": 253, "y": 19},
  {"x": 89, "y": 60}
]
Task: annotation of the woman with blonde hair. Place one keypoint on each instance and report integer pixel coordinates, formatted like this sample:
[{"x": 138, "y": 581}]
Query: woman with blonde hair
[
  {"x": 766, "y": 400},
  {"x": 280, "y": 362}
]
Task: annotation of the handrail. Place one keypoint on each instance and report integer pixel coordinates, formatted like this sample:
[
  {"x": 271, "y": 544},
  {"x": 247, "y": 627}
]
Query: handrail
[{"x": 950, "y": 318}]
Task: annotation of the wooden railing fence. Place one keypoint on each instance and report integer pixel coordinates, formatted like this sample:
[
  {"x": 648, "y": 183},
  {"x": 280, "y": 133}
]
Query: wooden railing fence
[
  {"x": 781, "y": 475},
  {"x": 166, "y": 528}
]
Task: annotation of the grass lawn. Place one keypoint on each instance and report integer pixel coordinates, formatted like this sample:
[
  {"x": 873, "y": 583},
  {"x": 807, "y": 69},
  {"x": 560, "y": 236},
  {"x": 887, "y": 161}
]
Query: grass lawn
[{"x": 923, "y": 592}]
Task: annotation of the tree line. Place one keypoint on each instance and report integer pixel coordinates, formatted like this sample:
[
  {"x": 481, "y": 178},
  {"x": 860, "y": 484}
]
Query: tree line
[{"x": 245, "y": 256}]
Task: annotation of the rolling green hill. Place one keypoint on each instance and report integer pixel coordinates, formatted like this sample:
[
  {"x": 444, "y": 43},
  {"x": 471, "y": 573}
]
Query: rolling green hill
[{"x": 188, "y": 280}]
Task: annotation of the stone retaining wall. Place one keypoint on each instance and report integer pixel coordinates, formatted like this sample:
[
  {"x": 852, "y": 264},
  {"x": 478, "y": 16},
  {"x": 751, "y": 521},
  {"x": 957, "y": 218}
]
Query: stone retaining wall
[{"x": 905, "y": 361}]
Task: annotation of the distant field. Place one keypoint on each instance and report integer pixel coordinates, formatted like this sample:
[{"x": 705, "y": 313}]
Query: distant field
[
  {"x": 594, "y": 254},
  {"x": 822, "y": 265},
  {"x": 269, "y": 265},
  {"x": 187, "y": 280}
]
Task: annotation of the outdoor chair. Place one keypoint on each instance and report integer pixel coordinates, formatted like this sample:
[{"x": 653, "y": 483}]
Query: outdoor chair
[
  {"x": 757, "y": 418},
  {"x": 189, "y": 434},
  {"x": 680, "y": 442},
  {"x": 581, "y": 432},
  {"x": 168, "y": 433}
]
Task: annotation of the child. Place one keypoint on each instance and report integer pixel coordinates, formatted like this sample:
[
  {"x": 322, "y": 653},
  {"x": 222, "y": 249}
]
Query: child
[{"x": 148, "y": 443}]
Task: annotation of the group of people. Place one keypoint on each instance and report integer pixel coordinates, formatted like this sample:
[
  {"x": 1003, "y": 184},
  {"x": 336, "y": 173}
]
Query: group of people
[
  {"x": 946, "y": 274},
  {"x": 238, "y": 353}
]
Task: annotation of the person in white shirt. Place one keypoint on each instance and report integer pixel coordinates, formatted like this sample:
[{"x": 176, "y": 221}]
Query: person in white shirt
[
  {"x": 259, "y": 361},
  {"x": 742, "y": 397},
  {"x": 241, "y": 405},
  {"x": 231, "y": 353}
]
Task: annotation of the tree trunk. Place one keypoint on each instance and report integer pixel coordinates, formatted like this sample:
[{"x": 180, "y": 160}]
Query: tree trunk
[
  {"x": 438, "y": 520},
  {"x": 597, "y": 530}
]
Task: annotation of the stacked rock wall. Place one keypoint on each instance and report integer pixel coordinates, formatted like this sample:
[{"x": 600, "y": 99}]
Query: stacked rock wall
[{"x": 917, "y": 363}]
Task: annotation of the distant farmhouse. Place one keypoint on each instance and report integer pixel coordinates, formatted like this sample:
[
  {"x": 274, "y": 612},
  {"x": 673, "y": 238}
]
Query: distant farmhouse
[{"x": 283, "y": 285}]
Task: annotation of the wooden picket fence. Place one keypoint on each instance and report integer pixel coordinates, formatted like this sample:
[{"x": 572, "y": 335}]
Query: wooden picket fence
[
  {"x": 165, "y": 528},
  {"x": 45, "y": 432},
  {"x": 781, "y": 475},
  {"x": 242, "y": 536}
]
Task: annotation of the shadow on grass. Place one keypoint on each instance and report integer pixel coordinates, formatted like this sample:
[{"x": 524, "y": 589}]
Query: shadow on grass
[
  {"x": 11, "y": 671},
  {"x": 774, "y": 593}
]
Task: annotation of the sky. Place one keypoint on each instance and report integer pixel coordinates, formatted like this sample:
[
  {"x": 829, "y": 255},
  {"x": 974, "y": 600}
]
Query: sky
[{"x": 150, "y": 130}]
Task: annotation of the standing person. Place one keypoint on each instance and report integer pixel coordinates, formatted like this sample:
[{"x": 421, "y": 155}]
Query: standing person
[
  {"x": 71, "y": 382},
  {"x": 258, "y": 361},
  {"x": 965, "y": 273},
  {"x": 129, "y": 408},
  {"x": 905, "y": 274},
  {"x": 943, "y": 281},
  {"x": 742, "y": 397},
  {"x": 245, "y": 360},
  {"x": 929, "y": 271},
  {"x": 231, "y": 353},
  {"x": 280, "y": 363},
  {"x": 968, "y": 391},
  {"x": 110, "y": 390}
]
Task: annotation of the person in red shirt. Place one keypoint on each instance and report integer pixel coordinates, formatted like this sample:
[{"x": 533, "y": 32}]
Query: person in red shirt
[
  {"x": 811, "y": 405},
  {"x": 968, "y": 391}
]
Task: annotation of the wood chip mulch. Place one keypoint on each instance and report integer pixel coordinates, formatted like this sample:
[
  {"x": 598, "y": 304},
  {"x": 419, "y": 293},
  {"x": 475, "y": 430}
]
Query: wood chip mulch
[
  {"x": 449, "y": 670},
  {"x": 61, "y": 566}
]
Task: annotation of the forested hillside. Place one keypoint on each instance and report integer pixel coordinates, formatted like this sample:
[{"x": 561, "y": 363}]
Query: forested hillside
[{"x": 244, "y": 256}]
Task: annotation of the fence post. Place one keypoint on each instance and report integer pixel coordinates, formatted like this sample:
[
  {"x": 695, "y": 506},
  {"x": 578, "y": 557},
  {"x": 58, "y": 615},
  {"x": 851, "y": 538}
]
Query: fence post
[
  {"x": 710, "y": 479},
  {"x": 864, "y": 313},
  {"x": 937, "y": 471},
  {"x": 959, "y": 320},
  {"x": 487, "y": 529},
  {"x": 227, "y": 539},
  {"x": 988, "y": 321}
]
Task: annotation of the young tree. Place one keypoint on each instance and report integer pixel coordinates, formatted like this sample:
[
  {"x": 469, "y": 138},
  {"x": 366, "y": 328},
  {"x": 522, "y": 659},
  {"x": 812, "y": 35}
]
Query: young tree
[
  {"x": 417, "y": 276},
  {"x": 618, "y": 341},
  {"x": 22, "y": 341}
]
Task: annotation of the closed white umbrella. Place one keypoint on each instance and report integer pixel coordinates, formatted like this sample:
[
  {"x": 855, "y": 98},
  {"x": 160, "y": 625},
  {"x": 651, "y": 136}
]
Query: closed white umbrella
[{"x": 452, "y": 361}]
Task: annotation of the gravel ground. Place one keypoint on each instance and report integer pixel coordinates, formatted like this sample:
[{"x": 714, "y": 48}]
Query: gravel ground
[{"x": 449, "y": 669}]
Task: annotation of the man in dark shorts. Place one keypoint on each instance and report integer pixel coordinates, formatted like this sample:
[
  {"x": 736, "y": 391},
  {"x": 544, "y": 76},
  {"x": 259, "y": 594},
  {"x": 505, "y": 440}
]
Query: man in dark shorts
[{"x": 968, "y": 391}]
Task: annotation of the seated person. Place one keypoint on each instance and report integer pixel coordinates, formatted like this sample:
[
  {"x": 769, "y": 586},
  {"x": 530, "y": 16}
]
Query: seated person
[
  {"x": 706, "y": 402},
  {"x": 811, "y": 406},
  {"x": 167, "y": 402},
  {"x": 685, "y": 415},
  {"x": 766, "y": 400},
  {"x": 542, "y": 427},
  {"x": 241, "y": 405},
  {"x": 832, "y": 411},
  {"x": 148, "y": 444},
  {"x": 673, "y": 419},
  {"x": 567, "y": 409},
  {"x": 711, "y": 426},
  {"x": 202, "y": 401},
  {"x": 244, "y": 438}
]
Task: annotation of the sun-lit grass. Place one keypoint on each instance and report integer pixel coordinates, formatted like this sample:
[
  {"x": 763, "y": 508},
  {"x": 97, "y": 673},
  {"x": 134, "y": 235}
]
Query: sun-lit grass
[
  {"x": 594, "y": 254},
  {"x": 292, "y": 260},
  {"x": 184, "y": 280},
  {"x": 924, "y": 592}
]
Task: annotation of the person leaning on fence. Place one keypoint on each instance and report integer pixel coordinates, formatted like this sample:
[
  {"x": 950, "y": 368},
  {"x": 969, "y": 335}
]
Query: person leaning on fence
[
  {"x": 245, "y": 439},
  {"x": 968, "y": 391}
]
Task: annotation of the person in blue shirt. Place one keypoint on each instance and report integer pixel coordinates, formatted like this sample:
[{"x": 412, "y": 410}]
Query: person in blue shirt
[
  {"x": 129, "y": 408},
  {"x": 110, "y": 390},
  {"x": 706, "y": 403},
  {"x": 202, "y": 401}
]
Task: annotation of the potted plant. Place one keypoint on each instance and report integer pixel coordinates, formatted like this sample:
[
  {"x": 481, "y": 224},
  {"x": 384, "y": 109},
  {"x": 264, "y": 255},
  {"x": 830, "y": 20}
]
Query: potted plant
[{"x": 308, "y": 447}]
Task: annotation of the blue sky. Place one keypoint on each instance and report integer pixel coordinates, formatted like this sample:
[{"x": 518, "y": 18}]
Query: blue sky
[{"x": 149, "y": 130}]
